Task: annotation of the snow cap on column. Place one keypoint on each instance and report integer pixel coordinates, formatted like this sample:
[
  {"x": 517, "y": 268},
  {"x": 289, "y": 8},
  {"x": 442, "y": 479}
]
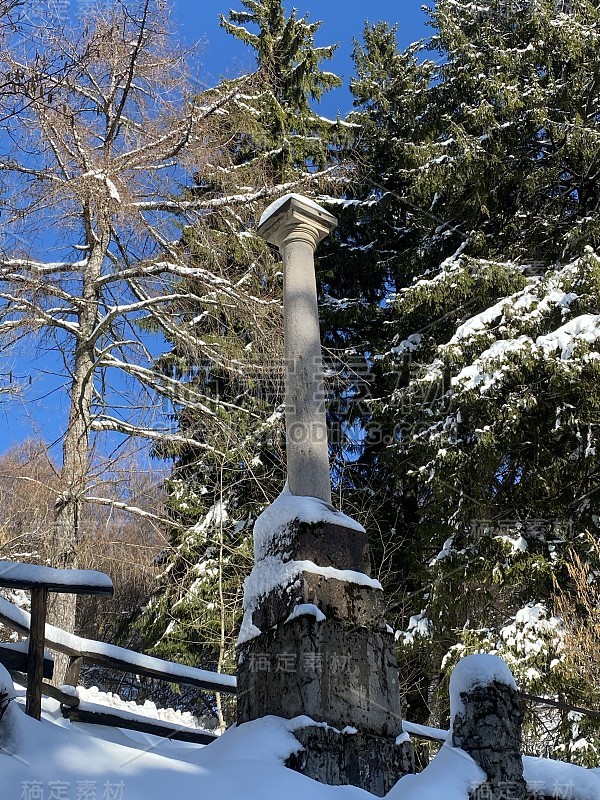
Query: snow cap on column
[
  {"x": 475, "y": 671},
  {"x": 297, "y": 208}
]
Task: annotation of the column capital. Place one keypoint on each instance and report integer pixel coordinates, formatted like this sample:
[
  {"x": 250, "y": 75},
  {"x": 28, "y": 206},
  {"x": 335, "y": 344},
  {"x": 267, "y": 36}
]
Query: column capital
[{"x": 294, "y": 217}]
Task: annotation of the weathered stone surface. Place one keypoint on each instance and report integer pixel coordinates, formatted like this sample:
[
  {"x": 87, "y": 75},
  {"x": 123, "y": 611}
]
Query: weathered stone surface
[
  {"x": 489, "y": 730},
  {"x": 339, "y": 759},
  {"x": 340, "y": 600},
  {"x": 330, "y": 671},
  {"x": 325, "y": 544}
]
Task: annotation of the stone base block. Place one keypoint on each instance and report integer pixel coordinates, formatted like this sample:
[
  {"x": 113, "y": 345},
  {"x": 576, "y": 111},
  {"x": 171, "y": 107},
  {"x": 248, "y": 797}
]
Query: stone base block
[
  {"x": 342, "y": 600},
  {"x": 487, "y": 725},
  {"x": 338, "y": 759},
  {"x": 325, "y": 543},
  {"x": 329, "y": 671}
]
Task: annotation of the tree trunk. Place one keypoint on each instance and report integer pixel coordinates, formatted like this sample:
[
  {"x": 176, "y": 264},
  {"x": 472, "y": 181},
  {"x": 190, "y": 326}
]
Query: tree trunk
[{"x": 76, "y": 445}]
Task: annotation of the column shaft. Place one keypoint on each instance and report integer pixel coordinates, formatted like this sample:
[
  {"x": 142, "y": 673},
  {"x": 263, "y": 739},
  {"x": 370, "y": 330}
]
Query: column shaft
[{"x": 306, "y": 427}]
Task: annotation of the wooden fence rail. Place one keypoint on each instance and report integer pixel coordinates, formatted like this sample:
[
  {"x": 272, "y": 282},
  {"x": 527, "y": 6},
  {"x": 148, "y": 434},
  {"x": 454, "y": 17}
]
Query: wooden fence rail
[
  {"x": 86, "y": 651},
  {"x": 118, "y": 658}
]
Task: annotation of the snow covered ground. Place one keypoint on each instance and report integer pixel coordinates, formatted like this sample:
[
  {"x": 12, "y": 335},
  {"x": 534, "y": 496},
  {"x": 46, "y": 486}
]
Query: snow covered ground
[{"x": 58, "y": 760}]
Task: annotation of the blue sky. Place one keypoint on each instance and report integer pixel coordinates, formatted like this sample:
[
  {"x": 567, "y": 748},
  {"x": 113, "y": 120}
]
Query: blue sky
[{"x": 44, "y": 414}]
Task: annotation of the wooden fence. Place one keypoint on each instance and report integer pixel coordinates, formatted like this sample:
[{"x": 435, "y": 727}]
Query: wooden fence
[{"x": 86, "y": 651}]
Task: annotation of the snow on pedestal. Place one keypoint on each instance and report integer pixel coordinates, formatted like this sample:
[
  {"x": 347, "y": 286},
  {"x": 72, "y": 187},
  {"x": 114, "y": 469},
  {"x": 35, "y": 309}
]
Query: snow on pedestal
[
  {"x": 276, "y": 518},
  {"x": 289, "y": 537},
  {"x": 476, "y": 671},
  {"x": 451, "y": 775},
  {"x": 271, "y": 210}
]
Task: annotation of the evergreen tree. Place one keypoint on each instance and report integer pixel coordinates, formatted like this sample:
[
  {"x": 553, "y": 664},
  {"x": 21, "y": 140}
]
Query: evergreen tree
[
  {"x": 294, "y": 137},
  {"x": 360, "y": 269},
  {"x": 479, "y": 202}
]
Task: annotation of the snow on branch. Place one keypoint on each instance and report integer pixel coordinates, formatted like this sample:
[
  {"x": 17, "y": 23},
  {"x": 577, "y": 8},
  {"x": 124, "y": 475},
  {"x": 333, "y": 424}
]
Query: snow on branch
[
  {"x": 173, "y": 389},
  {"x": 233, "y": 199},
  {"x": 40, "y": 268},
  {"x": 106, "y": 423},
  {"x": 134, "y": 510}
]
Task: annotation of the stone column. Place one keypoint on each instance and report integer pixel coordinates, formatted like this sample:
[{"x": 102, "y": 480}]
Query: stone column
[
  {"x": 486, "y": 723},
  {"x": 314, "y": 642},
  {"x": 297, "y": 226}
]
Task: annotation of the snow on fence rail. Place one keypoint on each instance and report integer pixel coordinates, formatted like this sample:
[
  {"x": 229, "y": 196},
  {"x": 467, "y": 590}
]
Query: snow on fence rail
[
  {"x": 17, "y": 575},
  {"x": 417, "y": 731},
  {"x": 424, "y": 732},
  {"x": 118, "y": 658},
  {"x": 40, "y": 581}
]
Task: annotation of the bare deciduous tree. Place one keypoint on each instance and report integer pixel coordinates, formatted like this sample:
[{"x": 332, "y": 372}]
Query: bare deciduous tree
[
  {"x": 28, "y": 485},
  {"x": 103, "y": 144}
]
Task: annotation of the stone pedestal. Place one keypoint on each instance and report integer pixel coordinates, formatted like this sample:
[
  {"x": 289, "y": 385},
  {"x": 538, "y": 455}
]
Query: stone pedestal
[
  {"x": 324, "y": 652},
  {"x": 329, "y": 671},
  {"x": 358, "y": 759}
]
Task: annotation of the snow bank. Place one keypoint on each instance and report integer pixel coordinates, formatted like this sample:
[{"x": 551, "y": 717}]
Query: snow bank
[
  {"x": 6, "y": 684},
  {"x": 450, "y": 776},
  {"x": 473, "y": 671},
  {"x": 453, "y": 774},
  {"x": 556, "y": 779},
  {"x": 10, "y": 738},
  {"x": 246, "y": 763},
  {"x": 40, "y": 759}
]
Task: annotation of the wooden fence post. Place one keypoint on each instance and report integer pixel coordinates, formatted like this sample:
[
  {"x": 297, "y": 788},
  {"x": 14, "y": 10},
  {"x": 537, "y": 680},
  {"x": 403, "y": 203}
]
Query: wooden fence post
[{"x": 35, "y": 656}]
